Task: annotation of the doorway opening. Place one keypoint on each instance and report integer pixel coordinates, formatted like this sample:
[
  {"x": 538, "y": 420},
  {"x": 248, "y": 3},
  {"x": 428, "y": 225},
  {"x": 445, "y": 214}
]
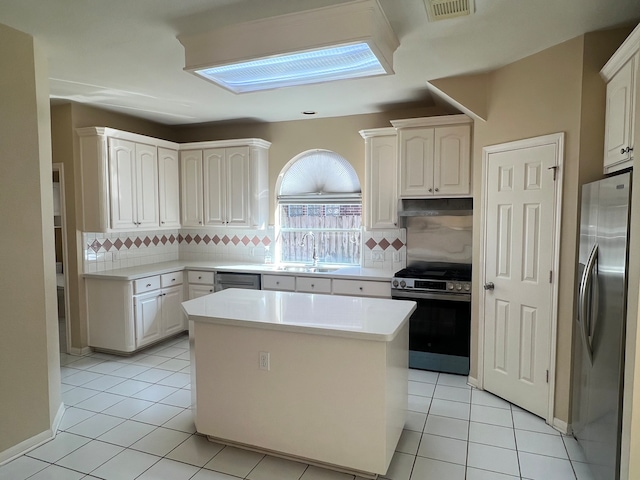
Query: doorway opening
[{"x": 60, "y": 236}]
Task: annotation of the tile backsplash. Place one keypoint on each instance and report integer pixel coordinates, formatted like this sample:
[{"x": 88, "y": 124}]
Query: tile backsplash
[{"x": 385, "y": 249}]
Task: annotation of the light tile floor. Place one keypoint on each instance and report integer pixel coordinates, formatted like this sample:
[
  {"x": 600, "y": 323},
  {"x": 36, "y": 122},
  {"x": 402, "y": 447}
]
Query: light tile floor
[{"x": 129, "y": 418}]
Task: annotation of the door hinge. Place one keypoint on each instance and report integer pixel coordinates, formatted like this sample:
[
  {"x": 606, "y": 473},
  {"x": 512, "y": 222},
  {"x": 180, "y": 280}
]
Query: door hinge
[
  {"x": 547, "y": 376},
  {"x": 550, "y": 276},
  {"x": 555, "y": 171}
]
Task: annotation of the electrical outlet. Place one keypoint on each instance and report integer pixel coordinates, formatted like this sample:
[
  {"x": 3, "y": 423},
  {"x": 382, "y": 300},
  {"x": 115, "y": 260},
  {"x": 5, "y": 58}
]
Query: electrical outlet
[
  {"x": 265, "y": 361},
  {"x": 396, "y": 256},
  {"x": 377, "y": 256}
]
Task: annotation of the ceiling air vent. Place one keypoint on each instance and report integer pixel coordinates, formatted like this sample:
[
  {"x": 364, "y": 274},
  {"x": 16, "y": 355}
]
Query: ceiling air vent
[{"x": 443, "y": 9}]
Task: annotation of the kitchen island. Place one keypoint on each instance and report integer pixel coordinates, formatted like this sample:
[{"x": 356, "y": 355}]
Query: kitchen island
[{"x": 316, "y": 377}]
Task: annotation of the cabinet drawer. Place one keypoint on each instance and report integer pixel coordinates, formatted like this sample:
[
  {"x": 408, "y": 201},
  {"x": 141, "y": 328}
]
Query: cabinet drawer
[
  {"x": 146, "y": 284},
  {"x": 278, "y": 282},
  {"x": 361, "y": 288},
  {"x": 205, "y": 278},
  {"x": 171, "y": 279},
  {"x": 313, "y": 285}
]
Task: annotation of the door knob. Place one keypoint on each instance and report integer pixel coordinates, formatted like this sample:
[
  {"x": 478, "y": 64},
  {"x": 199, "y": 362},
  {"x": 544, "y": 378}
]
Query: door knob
[{"x": 489, "y": 286}]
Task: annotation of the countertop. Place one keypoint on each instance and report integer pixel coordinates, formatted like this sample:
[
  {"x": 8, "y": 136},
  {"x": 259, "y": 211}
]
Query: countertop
[
  {"x": 141, "y": 271},
  {"x": 352, "y": 317}
]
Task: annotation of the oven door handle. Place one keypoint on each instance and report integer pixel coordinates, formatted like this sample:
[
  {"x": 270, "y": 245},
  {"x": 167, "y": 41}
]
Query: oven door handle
[{"x": 452, "y": 297}]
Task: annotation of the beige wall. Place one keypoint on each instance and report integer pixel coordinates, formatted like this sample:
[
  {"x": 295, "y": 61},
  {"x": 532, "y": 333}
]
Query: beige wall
[
  {"x": 30, "y": 392},
  {"x": 556, "y": 90}
]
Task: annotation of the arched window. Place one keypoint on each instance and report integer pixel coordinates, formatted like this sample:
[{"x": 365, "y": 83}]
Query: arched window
[{"x": 319, "y": 210}]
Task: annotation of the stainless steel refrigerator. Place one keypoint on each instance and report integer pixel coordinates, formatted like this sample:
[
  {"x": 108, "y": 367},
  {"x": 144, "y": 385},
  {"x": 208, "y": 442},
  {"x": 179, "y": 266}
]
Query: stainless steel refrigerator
[{"x": 599, "y": 329}]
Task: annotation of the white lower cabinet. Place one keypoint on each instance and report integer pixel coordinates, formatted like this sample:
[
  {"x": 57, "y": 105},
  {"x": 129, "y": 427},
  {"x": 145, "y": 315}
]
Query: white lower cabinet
[
  {"x": 200, "y": 283},
  {"x": 327, "y": 285},
  {"x": 362, "y": 288},
  {"x": 284, "y": 283},
  {"x": 158, "y": 315},
  {"x": 125, "y": 315},
  {"x": 313, "y": 285}
]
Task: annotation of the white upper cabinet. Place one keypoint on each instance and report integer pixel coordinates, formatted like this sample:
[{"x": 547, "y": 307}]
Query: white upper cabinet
[
  {"x": 381, "y": 167},
  {"x": 133, "y": 169},
  {"x": 621, "y": 73},
  {"x": 225, "y": 183},
  {"x": 434, "y": 156},
  {"x": 169, "y": 187},
  {"x": 122, "y": 187},
  {"x": 191, "y": 202},
  {"x": 131, "y": 181}
]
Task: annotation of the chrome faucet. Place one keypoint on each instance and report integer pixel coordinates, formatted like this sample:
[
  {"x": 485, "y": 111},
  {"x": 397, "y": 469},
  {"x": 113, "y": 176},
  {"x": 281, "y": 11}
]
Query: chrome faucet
[{"x": 313, "y": 245}]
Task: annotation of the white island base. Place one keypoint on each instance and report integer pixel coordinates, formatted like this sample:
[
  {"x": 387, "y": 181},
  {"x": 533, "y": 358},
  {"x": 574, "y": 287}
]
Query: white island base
[{"x": 333, "y": 390}]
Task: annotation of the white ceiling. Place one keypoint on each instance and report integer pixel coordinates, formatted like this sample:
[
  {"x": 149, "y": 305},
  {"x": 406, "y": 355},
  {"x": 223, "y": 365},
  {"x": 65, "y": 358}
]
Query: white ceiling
[{"x": 123, "y": 55}]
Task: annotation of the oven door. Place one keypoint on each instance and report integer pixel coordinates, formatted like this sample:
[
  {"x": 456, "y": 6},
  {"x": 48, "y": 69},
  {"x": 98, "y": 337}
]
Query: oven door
[{"x": 439, "y": 331}]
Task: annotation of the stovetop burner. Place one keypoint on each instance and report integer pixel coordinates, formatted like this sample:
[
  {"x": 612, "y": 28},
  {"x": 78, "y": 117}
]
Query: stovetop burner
[{"x": 437, "y": 271}]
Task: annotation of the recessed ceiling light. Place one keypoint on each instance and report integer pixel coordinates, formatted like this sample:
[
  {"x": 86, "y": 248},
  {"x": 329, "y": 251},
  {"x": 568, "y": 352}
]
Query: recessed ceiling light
[
  {"x": 349, "y": 40},
  {"x": 308, "y": 112}
]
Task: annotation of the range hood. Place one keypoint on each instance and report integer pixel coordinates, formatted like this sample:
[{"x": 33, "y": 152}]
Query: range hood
[{"x": 427, "y": 207}]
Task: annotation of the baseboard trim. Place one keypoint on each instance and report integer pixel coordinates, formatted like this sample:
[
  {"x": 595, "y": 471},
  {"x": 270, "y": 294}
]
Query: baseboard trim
[
  {"x": 80, "y": 351},
  {"x": 33, "y": 442},
  {"x": 472, "y": 381},
  {"x": 561, "y": 425}
]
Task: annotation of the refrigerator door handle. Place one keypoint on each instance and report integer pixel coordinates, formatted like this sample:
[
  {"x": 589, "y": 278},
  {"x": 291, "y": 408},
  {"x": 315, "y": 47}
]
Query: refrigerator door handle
[{"x": 586, "y": 305}]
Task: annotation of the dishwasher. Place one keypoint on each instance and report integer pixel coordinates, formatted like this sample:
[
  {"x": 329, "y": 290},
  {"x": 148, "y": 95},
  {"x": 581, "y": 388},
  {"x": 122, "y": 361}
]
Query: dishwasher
[{"x": 224, "y": 280}]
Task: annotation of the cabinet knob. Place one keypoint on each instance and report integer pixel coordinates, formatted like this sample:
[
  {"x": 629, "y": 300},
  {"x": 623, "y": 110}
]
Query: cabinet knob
[
  {"x": 431, "y": 190},
  {"x": 277, "y": 283},
  {"x": 312, "y": 285},
  {"x": 162, "y": 223},
  {"x": 360, "y": 288},
  {"x": 200, "y": 223},
  {"x": 211, "y": 291},
  {"x": 199, "y": 278},
  {"x": 437, "y": 189}
]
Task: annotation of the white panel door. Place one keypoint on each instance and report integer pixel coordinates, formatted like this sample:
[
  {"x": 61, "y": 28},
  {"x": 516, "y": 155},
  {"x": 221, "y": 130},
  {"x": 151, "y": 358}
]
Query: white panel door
[
  {"x": 382, "y": 168},
  {"x": 192, "y": 188},
  {"x": 416, "y": 161},
  {"x": 173, "y": 318},
  {"x": 147, "y": 186},
  {"x": 451, "y": 165},
  {"x": 122, "y": 184},
  {"x": 238, "y": 186},
  {"x": 197, "y": 291},
  {"x": 214, "y": 186},
  {"x": 169, "y": 187},
  {"x": 148, "y": 316},
  {"x": 519, "y": 256}
]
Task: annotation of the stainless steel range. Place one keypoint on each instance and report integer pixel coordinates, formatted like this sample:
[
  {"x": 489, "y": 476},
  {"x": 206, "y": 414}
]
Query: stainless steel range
[{"x": 438, "y": 279}]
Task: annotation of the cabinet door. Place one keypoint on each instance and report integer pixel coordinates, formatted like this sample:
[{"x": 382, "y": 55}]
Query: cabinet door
[
  {"x": 214, "y": 186},
  {"x": 381, "y": 182},
  {"x": 238, "y": 186},
  {"x": 191, "y": 205},
  {"x": 147, "y": 186},
  {"x": 148, "y": 316},
  {"x": 619, "y": 116},
  {"x": 416, "y": 162},
  {"x": 169, "y": 187},
  {"x": 173, "y": 319},
  {"x": 197, "y": 291},
  {"x": 451, "y": 169},
  {"x": 122, "y": 184}
]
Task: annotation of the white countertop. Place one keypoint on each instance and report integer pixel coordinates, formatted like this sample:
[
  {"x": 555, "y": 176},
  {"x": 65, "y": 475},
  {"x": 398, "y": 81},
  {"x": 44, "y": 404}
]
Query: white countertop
[
  {"x": 353, "y": 317},
  {"x": 141, "y": 271}
]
